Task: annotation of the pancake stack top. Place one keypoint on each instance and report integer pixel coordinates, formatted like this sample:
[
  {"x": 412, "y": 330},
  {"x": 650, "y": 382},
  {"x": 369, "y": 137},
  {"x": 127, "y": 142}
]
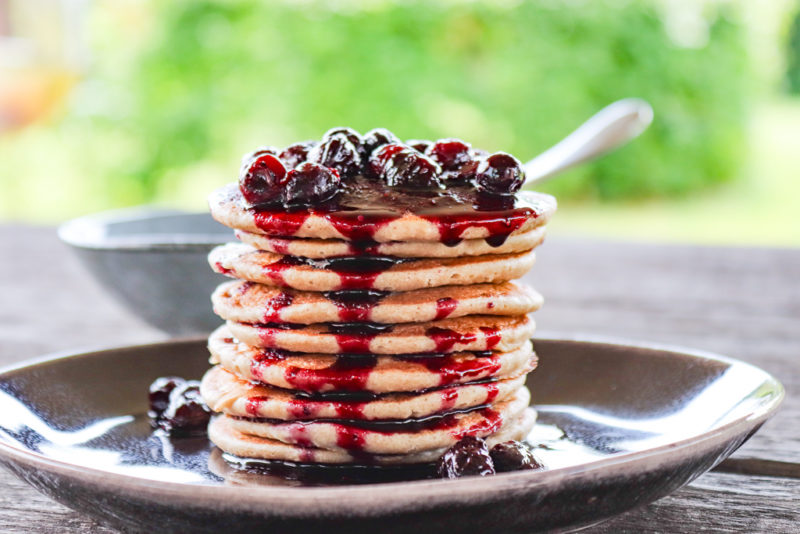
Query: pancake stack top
[{"x": 372, "y": 319}]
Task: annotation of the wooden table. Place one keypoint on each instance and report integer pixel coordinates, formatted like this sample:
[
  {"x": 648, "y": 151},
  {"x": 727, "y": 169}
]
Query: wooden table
[{"x": 742, "y": 302}]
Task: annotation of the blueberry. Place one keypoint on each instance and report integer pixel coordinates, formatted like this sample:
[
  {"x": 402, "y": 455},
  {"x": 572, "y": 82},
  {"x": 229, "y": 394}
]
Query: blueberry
[
  {"x": 376, "y": 138},
  {"x": 294, "y": 155},
  {"x": 468, "y": 457},
  {"x": 337, "y": 152},
  {"x": 311, "y": 183},
  {"x": 420, "y": 145},
  {"x": 261, "y": 180},
  {"x": 405, "y": 167},
  {"x": 186, "y": 412},
  {"x": 159, "y": 393},
  {"x": 500, "y": 173},
  {"x": 352, "y": 135},
  {"x": 514, "y": 456},
  {"x": 451, "y": 154},
  {"x": 461, "y": 175},
  {"x": 379, "y": 158},
  {"x": 260, "y": 151}
]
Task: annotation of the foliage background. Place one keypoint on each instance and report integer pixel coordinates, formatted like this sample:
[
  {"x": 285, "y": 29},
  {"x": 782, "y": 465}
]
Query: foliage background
[
  {"x": 174, "y": 92},
  {"x": 206, "y": 80}
]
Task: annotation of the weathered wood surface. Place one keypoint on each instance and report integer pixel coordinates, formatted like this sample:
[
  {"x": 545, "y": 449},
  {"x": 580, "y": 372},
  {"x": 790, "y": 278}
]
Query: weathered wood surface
[
  {"x": 743, "y": 303},
  {"x": 740, "y": 302}
]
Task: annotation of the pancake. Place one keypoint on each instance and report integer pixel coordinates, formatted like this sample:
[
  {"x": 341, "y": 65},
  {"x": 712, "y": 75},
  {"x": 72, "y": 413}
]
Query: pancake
[
  {"x": 225, "y": 392},
  {"x": 377, "y": 374},
  {"x": 222, "y": 433},
  {"x": 331, "y": 248},
  {"x": 472, "y": 333},
  {"x": 227, "y": 207},
  {"x": 381, "y": 273},
  {"x": 379, "y": 325},
  {"x": 247, "y": 302},
  {"x": 383, "y": 438}
]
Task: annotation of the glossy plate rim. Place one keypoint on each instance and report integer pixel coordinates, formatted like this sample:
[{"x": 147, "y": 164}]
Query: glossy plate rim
[{"x": 434, "y": 492}]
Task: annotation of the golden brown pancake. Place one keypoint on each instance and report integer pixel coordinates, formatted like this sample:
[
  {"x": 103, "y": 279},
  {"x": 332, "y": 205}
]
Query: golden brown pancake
[
  {"x": 390, "y": 438},
  {"x": 227, "y": 206},
  {"x": 332, "y": 248},
  {"x": 244, "y": 262},
  {"x": 377, "y": 374},
  {"x": 225, "y": 392},
  {"x": 248, "y": 302},
  {"x": 223, "y": 434},
  {"x": 472, "y": 333}
]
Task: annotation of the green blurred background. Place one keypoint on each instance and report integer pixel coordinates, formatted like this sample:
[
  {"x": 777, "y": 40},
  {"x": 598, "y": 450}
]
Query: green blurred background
[{"x": 115, "y": 103}]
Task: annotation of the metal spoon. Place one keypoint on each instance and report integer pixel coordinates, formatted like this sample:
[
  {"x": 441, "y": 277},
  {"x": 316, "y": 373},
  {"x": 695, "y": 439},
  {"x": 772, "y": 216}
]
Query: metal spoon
[{"x": 608, "y": 129}]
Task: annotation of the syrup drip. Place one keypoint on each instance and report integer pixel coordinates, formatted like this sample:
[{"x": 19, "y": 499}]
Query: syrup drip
[
  {"x": 444, "y": 307},
  {"x": 366, "y": 247},
  {"x": 299, "y": 435},
  {"x": 314, "y": 474},
  {"x": 351, "y": 373},
  {"x": 303, "y": 409},
  {"x": 437, "y": 421},
  {"x": 366, "y": 396},
  {"x": 274, "y": 306},
  {"x": 346, "y": 374},
  {"x": 355, "y": 338},
  {"x": 445, "y": 339},
  {"x": 280, "y": 245},
  {"x": 489, "y": 424},
  {"x": 244, "y": 287},
  {"x": 268, "y": 331},
  {"x": 449, "y": 397},
  {"x": 355, "y": 272},
  {"x": 223, "y": 270},
  {"x": 300, "y": 409},
  {"x": 355, "y": 304},
  {"x": 355, "y": 226},
  {"x": 492, "y": 390},
  {"x": 253, "y": 405},
  {"x": 283, "y": 223},
  {"x": 451, "y": 370},
  {"x": 350, "y": 438},
  {"x": 275, "y": 270},
  {"x": 493, "y": 336},
  {"x": 365, "y": 206},
  {"x": 350, "y": 410}
]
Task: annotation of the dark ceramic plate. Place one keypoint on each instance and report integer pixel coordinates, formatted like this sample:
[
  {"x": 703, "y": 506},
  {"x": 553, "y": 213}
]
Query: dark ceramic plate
[{"x": 620, "y": 426}]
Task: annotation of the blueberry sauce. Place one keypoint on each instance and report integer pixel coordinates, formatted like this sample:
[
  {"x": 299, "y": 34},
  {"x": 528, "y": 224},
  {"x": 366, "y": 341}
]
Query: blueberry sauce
[
  {"x": 445, "y": 339},
  {"x": 223, "y": 270},
  {"x": 363, "y": 207},
  {"x": 355, "y": 304},
  {"x": 351, "y": 372},
  {"x": 315, "y": 474},
  {"x": 493, "y": 336},
  {"x": 274, "y": 306},
  {"x": 356, "y": 337},
  {"x": 444, "y": 307},
  {"x": 451, "y": 370},
  {"x": 346, "y": 374},
  {"x": 355, "y": 272},
  {"x": 439, "y": 421},
  {"x": 351, "y": 435}
]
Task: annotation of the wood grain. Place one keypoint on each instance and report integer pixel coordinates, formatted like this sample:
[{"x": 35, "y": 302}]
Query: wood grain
[
  {"x": 717, "y": 503},
  {"x": 739, "y": 302},
  {"x": 742, "y": 302}
]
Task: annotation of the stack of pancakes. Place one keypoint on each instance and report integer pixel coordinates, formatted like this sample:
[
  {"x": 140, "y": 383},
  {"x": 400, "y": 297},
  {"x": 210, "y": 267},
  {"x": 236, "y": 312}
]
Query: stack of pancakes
[{"x": 343, "y": 351}]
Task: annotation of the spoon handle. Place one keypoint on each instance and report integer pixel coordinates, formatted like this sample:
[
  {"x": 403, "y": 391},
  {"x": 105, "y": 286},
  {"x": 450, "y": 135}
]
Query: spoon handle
[{"x": 609, "y": 128}]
